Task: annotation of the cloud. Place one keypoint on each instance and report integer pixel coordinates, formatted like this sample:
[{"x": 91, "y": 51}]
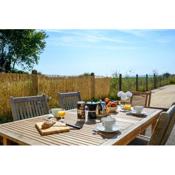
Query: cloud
[
  {"x": 70, "y": 42},
  {"x": 138, "y": 33},
  {"x": 108, "y": 39},
  {"x": 102, "y": 38},
  {"x": 84, "y": 38}
]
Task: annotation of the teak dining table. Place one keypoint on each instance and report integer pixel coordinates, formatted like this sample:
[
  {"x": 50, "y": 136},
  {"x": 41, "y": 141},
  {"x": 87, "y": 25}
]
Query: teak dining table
[{"x": 23, "y": 132}]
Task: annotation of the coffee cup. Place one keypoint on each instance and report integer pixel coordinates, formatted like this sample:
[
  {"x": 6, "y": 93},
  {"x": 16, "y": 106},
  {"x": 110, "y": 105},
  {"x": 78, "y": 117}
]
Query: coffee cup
[
  {"x": 138, "y": 109},
  {"x": 108, "y": 123}
]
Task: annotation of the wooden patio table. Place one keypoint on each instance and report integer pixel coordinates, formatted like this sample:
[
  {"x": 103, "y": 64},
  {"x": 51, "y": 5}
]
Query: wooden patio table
[{"x": 23, "y": 132}]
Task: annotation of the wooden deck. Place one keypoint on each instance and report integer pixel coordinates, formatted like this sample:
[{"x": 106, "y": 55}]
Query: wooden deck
[{"x": 164, "y": 97}]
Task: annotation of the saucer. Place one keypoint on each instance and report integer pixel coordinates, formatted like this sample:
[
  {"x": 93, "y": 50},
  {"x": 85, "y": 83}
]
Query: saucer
[
  {"x": 133, "y": 112},
  {"x": 124, "y": 110},
  {"x": 100, "y": 127}
]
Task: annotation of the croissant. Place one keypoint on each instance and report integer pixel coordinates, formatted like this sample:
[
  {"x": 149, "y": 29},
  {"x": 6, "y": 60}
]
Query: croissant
[{"x": 47, "y": 124}]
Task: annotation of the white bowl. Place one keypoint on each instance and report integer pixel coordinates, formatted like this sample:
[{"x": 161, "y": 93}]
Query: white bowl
[
  {"x": 55, "y": 111},
  {"x": 112, "y": 109}
]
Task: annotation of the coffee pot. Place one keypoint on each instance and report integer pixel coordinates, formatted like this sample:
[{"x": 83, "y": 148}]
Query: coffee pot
[{"x": 92, "y": 109}]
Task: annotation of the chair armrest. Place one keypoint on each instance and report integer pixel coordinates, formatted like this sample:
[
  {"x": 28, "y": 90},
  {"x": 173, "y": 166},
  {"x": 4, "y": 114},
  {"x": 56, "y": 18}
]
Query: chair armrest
[{"x": 164, "y": 109}]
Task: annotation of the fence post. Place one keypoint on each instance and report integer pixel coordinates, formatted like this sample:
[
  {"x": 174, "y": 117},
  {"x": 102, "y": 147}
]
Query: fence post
[
  {"x": 146, "y": 82},
  {"x": 92, "y": 90},
  {"x": 120, "y": 82},
  {"x": 137, "y": 82},
  {"x": 34, "y": 82},
  {"x": 155, "y": 82}
]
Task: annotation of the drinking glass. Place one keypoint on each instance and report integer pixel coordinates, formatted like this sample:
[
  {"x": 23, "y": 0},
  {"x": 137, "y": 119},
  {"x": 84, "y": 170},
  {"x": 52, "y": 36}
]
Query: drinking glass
[{"x": 61, "y": 115}]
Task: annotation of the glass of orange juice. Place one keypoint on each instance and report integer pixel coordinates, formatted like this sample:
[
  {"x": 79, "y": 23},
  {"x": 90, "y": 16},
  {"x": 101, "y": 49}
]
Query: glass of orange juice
[{"x": 61, "y": 114}]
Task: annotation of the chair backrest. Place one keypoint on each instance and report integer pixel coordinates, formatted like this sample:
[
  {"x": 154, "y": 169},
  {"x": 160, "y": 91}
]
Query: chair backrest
[
  {"x": 170, "y": 126},
  {"x": 69, "y": 100},
  {"x": 141, "y": 99},
  {"x": 163, "y": 127},
  {"x": 27, "y": 107}
]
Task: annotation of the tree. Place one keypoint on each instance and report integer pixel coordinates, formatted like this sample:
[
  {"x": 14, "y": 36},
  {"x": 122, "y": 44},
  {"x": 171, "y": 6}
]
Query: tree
[
  {"x": 20, "y": 48},
  {"x": 166, "y": 75},
  {"x": 88, "y": 74}
]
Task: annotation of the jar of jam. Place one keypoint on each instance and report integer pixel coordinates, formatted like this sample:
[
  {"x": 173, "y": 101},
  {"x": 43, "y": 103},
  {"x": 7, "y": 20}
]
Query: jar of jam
[{"x": 81, "y": 110}]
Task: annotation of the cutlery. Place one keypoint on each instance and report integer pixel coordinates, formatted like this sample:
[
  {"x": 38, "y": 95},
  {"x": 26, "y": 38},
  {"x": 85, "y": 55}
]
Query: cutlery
[
  {"x": 66, "y": 124},
  {"x": 74, "y": 126}
]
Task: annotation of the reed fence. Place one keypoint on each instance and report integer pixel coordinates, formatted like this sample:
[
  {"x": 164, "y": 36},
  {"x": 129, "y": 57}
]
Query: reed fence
[{"x": 90, "y": 86}]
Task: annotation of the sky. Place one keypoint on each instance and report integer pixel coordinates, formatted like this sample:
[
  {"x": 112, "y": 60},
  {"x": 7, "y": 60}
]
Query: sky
[{"x": 105, "y": 52}]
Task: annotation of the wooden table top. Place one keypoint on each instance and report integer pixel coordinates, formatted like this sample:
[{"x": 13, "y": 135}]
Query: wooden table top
[{"x": 24, "y": 132}]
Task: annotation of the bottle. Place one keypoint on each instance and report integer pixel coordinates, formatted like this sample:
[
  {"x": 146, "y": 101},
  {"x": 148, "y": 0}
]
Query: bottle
[
  {"x": 99, "y": 108},
  {"x": 103, "y": 105},
  {"x": 81, "y": 110}
]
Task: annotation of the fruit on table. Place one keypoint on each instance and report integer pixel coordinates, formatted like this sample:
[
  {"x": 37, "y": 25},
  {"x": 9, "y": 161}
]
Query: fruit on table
[
  {"x": 111, "y": 104},
  {"x": 108, "y": 104},
  {"x": 127, "y": 107},
  {"x": 107, "y": 100}
]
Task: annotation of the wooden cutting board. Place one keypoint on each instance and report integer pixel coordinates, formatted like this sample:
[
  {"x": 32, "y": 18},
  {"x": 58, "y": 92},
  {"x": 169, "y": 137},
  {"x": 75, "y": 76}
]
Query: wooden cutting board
[{"x": 52, "y": 130}]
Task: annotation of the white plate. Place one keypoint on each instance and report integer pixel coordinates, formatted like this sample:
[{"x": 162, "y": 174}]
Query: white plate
[
  {"x": 121, "y": 109},
  {"x": 100, "y": 127},
  {"x": 133, "y": 112},
  {"x": 124, "y": 110}
]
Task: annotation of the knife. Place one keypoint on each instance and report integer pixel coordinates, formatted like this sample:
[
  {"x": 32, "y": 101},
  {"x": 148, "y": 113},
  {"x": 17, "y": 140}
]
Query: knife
[{"x": 74, "y": 126}]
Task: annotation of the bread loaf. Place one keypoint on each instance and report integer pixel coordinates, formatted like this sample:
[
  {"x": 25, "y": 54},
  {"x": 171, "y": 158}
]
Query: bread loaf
[{"x": 47, "y": 124}]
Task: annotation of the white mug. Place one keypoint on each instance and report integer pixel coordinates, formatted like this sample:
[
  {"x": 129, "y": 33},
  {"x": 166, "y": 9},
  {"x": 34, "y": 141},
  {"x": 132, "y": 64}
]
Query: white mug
[
  {"x": 108, "y": 123},
  {"x": 138, "y": 109}
]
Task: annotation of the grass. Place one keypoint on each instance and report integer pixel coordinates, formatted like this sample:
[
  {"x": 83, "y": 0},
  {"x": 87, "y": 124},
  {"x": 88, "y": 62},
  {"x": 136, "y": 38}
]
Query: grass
[{"x": 129, "y": 84}]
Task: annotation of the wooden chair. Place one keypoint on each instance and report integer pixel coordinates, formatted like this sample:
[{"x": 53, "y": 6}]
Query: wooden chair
[
  {"x": 69, "y": 100},
  {"x": 141, "y": 99},
  {"x": 161, "y": 132},
  {"x": 27, "y": 107}
]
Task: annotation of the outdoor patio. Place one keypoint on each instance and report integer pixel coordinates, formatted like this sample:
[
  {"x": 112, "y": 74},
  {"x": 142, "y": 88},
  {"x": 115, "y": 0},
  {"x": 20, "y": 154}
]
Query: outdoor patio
[{"x": 131, "y": 125}]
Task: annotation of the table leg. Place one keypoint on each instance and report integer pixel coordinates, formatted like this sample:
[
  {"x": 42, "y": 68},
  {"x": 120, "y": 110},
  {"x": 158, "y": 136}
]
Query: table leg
[{"x": 5, "y": 141}]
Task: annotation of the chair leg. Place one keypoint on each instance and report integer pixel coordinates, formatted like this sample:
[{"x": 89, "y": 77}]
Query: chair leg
[
  {"x": 143, "y": 132},
  {"x": 153, "y": 125}
]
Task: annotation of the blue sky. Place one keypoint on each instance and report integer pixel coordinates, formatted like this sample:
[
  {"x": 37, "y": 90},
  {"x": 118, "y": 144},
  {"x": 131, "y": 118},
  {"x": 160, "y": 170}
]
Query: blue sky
[{"x": 74, "y": 52}]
